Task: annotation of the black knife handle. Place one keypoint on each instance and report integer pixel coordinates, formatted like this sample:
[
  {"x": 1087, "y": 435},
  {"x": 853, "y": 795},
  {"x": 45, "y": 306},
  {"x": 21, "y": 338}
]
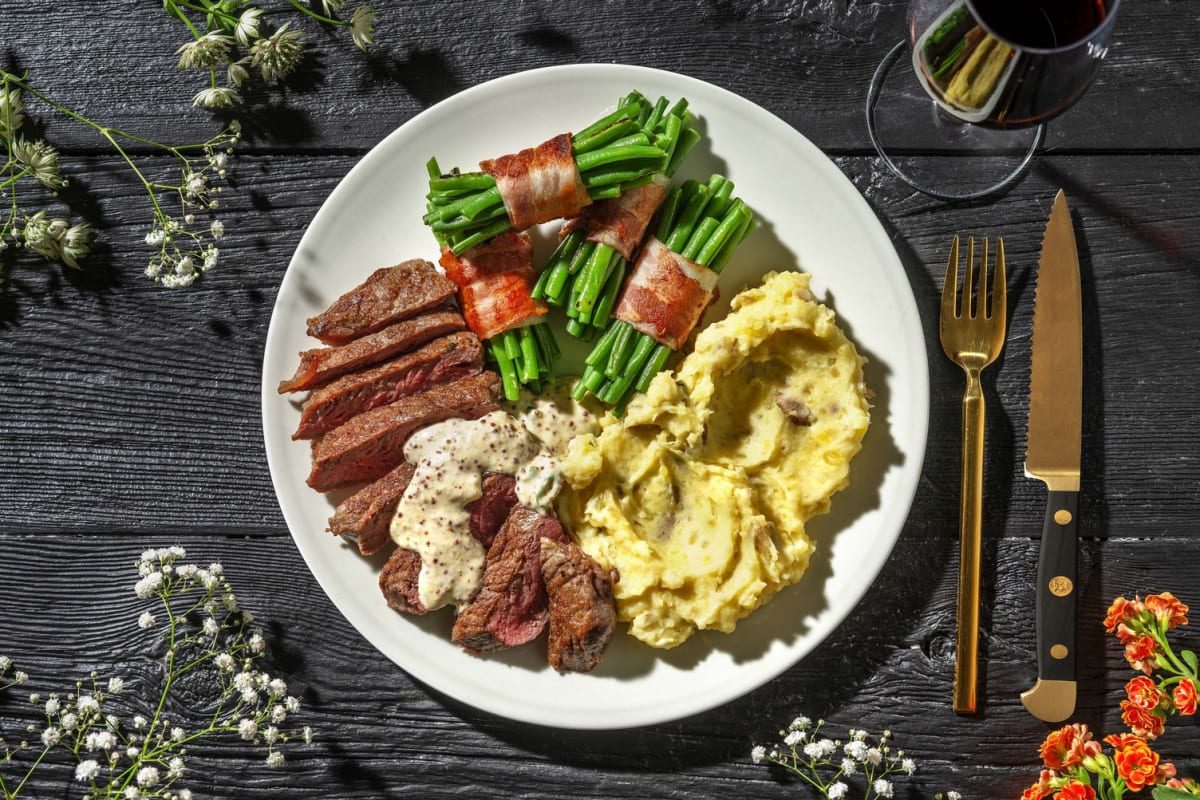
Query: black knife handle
[{"x": 1057, "y": 587}]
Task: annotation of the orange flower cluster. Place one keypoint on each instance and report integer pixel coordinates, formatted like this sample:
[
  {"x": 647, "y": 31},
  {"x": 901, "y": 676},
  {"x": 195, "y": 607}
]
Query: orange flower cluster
[
  {"x": 1076, "y": 766},
  {"x": 1142, "y": 625},
  {"x": 1072, "y": 756}
]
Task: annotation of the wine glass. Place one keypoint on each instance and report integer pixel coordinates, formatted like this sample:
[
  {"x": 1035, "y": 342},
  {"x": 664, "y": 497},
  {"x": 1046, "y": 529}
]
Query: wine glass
[{"x": 986, "y": 76}]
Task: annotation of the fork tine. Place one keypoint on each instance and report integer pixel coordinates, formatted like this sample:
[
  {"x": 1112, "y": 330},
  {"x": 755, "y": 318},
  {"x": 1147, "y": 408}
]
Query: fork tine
[
  {"x": 981, "y": 306},
  {"x": 1000, "y": 284},
  {"x": 950, "y": 285},
  {"x": 968, "y": 283}
]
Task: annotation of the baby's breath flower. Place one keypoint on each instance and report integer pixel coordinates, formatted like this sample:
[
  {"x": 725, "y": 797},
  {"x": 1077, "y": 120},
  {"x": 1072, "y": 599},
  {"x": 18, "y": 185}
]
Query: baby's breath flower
[
  {"x": 5, "y": 664},
  {"x": 224, "y": 662},
  {"x": 146, "y": 620},
  {"x": 837, "y": 791},
  {"x": 50, "y": 736},
  {"x": 210, "y": 50},
  {"x": 148, "y": 777},
  {"x": 139, "y": 722},
  {"x": 217, "y": 229},
  {"x": 362, "y": 27},
  {"x": 849, "y": 766},
  {"x": 88, "y": 704},
  {"x": 69, "y": 721},
  {"x": 215, "y": 97},
  {"x": 278, "y": 54},
  {"x": 908, "y": 766},
  {"x": 115, "y": 685},
  {"x": 146, "y": 587},
  {"x": 178, "y": 734},
  {"x": 758, "y": 754},
  {"x": 20, "y": 677},
  {"x": 174, "y": 768},
  {"x": 874, "y": 756},
  {"x": 274, "y": 759},
  {"x": 247, "y": 728},
  {"x": 306, "y": 734},
  {"x": 257, "y": 643},
  {"x": 86, "y": 771},
  {"x": 882, "y": 787},
  {"x": 53, "y": 706},
  {"x": 210, "y": 627},
  {"x": 277, "y": 687},
  {"x": 793, "y": 738}
]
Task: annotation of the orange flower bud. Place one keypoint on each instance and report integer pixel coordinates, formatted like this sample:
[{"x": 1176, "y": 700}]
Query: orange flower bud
[
  {"x": 1144, "y": 724},
  {"x": 1167, "y": 608},
  {"x": 1184, "y": 697},
  {"x": 1042, "y": 789},
  {"x": 1137, "y": 765},
  {"x": 1122, "y": 610},
  {"x": 1141, "y": 653},
  {"x": 1067, "y": 746},
  {"x": 1143, "y": 692},
  {"x": 1076, "y": 791}
]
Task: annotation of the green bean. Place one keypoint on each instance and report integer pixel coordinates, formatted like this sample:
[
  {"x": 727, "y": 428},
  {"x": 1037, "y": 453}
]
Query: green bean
[
  {"x": 604, "y": 345},
  {"x": 462, "y": 181},
  {"x": 654, "y": 365},
  {"x": 670, "y": 212},
  {"x": 688, "y": 138},
  {"x": 688, "y": 219},
  {"x": 481, "y": 236},
  {"x": 613, "y": 155},
  {"x": 601, "y": 138},
  {"x": 529, "y": 355},
  {"x": 548, "y": 345},
  {"x": 504, "y": 365},
  {"x": 621, "y": 349},
  {"x": 730, "y": 224},
  {"x": 699, "y": 236},
  {"x": 460, "y": 222}
]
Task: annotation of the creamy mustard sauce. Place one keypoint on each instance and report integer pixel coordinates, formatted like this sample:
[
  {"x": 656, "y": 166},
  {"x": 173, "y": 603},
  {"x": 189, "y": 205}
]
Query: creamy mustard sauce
[{"x": 450, "y": 457}]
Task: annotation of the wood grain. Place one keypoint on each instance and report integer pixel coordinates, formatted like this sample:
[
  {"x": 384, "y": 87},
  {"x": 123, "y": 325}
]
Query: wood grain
[
  {"x": 129, "y": 415},
  {"x": 380, "y": 734}
]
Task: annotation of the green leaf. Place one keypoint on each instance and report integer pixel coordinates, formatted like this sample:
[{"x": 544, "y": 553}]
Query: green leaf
[
  {"x": 1189, "y": 658},
  {"x": 1163, "y": 793}
]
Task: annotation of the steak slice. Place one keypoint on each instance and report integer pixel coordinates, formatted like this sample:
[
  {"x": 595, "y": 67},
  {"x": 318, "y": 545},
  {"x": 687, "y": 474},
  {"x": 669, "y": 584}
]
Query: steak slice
[
  {"x": 326, "y": 363},
  {"x": 367, "y": 514},
  {"x": 389, "y": 295},
  {"x": 370, "y": 445},
  {"x": 583, "y": 613},
  {"x": 489, "y": 512},
  {"x": 441, "y": 361},
  {"x": 398, "y": 582},
  {"x": 510, "y": 608}
]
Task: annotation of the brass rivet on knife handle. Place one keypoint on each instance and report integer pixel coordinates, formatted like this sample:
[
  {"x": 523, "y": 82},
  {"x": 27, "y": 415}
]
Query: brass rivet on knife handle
[
  {"x": 1059, "y": 651},
  {"x": 1061, "y": 586}
]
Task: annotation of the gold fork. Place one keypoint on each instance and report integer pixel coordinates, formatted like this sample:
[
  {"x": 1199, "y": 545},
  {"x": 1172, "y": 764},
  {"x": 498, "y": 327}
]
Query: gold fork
[{"x": 972, "y": 334}]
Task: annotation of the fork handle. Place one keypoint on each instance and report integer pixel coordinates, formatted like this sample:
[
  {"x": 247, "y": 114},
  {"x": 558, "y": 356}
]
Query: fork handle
[{"x": 970, "y": 533}]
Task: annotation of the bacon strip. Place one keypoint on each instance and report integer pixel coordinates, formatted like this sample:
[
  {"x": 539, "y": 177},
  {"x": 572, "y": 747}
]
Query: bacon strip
[
  {"x": 621, "y": 222},
  {"x": 495, "y": 283},
  {"x": 539, "y": 183},
  {"x": 666, "y": 294}
]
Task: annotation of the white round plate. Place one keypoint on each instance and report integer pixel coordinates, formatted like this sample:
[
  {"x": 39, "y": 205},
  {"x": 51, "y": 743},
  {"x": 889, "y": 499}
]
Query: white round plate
[{"x": 811, "y": 218}]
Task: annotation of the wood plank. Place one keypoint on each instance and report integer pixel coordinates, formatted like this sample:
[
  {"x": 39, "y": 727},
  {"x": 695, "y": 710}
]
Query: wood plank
[
  {"x": 121, "y": 395},
  {"x": 380, "y": 734},
  {"x": 809, "y": 63}
]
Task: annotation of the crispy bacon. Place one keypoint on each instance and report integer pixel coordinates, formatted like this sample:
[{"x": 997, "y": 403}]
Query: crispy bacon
[
  {"x": 621, "y": 222},
  {"x": 539, "y": 183},
  {"x": 495, "y": 281},
  {"x": 666, "y": 294}
]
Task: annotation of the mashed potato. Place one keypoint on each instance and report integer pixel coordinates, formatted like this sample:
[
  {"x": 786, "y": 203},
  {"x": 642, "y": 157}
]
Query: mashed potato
[{"x": 700, "y": 494}]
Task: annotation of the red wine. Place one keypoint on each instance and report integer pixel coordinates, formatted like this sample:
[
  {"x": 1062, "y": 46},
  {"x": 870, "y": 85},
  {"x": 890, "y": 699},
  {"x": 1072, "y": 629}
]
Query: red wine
[{"x": 1041, "y": 24}]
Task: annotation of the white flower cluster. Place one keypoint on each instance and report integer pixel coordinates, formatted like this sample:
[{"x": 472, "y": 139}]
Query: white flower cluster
[
  {"x": 275, "y": 53},
  {"x": 208, "y": 635},
  {"x": 54, "y": 238},
  {"x": 827, "y": 764}
]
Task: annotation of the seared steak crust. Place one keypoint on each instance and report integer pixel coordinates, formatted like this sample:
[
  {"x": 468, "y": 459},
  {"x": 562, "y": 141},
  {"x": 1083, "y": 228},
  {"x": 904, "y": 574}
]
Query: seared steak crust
[
  {"x": 583, "y": 613},
  {"x": 367, "y": 514},
  {"x": 371, "y": 444},
  {"x": 323, "y": 364},
  {"x": 441, "y": 361},
  {"x": 389, "y": 295},
  {"x": 398, "y": 582}
]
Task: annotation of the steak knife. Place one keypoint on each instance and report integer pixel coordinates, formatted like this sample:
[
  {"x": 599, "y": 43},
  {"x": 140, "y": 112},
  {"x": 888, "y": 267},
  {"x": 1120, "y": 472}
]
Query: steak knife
[{"x": 1052, "y": 455}]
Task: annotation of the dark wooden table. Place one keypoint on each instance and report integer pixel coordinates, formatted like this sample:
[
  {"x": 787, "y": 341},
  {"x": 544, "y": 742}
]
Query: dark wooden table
[{"x": 129, "y": 414}]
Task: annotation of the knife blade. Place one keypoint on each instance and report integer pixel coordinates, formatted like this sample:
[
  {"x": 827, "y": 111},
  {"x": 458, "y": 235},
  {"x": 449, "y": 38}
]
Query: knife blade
[{"x": 1052, "y": 455}]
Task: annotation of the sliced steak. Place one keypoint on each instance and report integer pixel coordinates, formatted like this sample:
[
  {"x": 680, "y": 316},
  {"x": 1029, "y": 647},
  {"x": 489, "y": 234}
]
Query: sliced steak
[
  {"x": 489, "y": 512},
  {"x": 372, "y": 444},
  {"x": 441, "y": 361},
  {"x": 367, "y": 514},
  {"x": 510, "y": 608},
  {"x": 583, "y": 613},
  {"x": 326, "y": 363},
  {"x": 398, "y": 581},
  {"x": 389, "y": 295}
]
